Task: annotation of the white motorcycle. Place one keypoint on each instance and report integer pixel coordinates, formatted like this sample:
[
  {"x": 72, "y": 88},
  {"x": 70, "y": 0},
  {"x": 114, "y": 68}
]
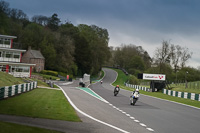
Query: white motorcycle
[{"x": 134, "y": 98}]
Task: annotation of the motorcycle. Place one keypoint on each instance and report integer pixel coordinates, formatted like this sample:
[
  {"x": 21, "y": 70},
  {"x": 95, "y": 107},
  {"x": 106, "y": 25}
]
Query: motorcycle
[
  {"x": 116, "y": 91},
  {"x": 134, "y": 98},
  {"x": 101, "y": 82}
]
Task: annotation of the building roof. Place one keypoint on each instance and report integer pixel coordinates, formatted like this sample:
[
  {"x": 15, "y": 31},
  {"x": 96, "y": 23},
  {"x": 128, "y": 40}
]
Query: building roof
[
  {"x": 6, "y": 36},
  {"x": 15, "y": 50},
  {"x": 37, "y": 54},
  {"x": 16, "y": 63}
]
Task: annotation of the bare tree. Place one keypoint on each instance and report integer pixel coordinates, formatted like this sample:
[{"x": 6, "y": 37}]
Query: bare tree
[
  {"x": 39, "y": 19},
  {"x": 186, "y": 55},
  {"x": 17, "y": 14},
  {"x": 4, "y": 7},
  {"x": 174, "y": 55},
  {"x": 162, "y": 55},
  {"x": 176, "y": 52}
]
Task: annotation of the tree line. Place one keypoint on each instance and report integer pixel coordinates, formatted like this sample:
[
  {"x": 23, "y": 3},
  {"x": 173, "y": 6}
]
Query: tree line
[
  {"x": 168, "y": 59},
  {"x": 67, "y": 48}
]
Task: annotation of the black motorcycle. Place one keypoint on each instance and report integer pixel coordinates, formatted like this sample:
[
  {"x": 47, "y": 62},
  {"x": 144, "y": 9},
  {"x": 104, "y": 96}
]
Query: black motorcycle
[{"x": 116, "y": 91}]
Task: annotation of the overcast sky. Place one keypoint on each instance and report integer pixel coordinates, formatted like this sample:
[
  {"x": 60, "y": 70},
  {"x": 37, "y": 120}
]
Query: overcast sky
[{"x": 144, "y": 23}]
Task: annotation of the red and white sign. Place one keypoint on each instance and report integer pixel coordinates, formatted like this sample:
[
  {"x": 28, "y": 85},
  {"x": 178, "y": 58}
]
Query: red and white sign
[
  {"x": 154, "y": 76},
  {"x": 67, "y": 77}
]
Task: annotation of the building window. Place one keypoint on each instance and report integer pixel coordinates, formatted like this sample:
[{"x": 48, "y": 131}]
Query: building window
[
  {"x": 8, "y": 55},
  {"x": 1, "y": 40},
  {"x": 20, "y": 69},
  {"x": 16, "y": 56},
  {"x": 7, "y": 41},
  {"x": 3, "y": 68}
]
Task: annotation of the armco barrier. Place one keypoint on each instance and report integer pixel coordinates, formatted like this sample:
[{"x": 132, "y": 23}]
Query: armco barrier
[
  {"x": 186, "y": 95},
  {"x": 9, "y": 91}
]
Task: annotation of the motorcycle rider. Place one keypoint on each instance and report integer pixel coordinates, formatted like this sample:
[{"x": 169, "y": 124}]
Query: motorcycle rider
[
  {"x": 135, "y": 93},
  {"x": 101, "y": 81},
  {"x": 117, "y": 88}
]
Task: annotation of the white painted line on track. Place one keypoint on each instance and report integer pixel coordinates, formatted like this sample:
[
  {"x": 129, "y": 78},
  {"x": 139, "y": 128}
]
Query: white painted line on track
[
  {"x": 143, "y": 125},
  {"x": 150, "y": 129},
  {"x": 83, "y": 113},
  {"x": 136, "y": 121},
  {"x": 114, "y": 107},
  {"x": 132, "y": 117}
]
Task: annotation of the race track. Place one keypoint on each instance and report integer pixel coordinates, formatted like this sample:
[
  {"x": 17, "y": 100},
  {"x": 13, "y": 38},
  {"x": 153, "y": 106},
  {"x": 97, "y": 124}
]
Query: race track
[{"x": 111, "y": 114}]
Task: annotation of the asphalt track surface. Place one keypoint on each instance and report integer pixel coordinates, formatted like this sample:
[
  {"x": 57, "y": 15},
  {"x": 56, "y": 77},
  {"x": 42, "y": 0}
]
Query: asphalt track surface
[
  {"x": 160, "y": 115},
  {"x": 115, "y": 114}
]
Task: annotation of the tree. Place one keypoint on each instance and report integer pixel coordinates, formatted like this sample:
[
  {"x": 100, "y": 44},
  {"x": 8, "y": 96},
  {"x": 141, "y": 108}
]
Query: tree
[
  {"x": 175, "y": 55},
  {"x": 53, "y": 22},
  {"x": 176, "y": 52},
  {"x": 162, "y": 55},
  {"x": 83, "y": 56},
  {"x": 4, "y": 7},
  {"x": 133, "y": 58},
  {"x": 40, "y": 19},
  {"x": 137, "y": 63},
  {"x": 186, "y": 55},
  {"x": 97, "y": 38}
]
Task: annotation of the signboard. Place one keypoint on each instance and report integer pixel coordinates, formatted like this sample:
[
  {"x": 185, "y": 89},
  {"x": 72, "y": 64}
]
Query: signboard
[
  {"x": 67, "y": 77},
  {"x": 154, "y": 76}
]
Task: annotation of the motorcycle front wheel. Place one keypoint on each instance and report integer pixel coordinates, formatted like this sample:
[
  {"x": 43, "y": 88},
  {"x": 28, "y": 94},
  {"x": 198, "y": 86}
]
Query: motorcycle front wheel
[{"x": 115, "y": 93}]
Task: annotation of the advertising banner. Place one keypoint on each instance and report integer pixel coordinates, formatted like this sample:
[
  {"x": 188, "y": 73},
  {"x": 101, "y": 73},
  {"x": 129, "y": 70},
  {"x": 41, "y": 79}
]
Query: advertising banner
[{"x": 154, "y": 76}]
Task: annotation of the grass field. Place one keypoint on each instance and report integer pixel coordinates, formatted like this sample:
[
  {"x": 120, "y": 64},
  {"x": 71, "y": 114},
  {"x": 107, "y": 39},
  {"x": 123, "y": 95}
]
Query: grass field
[
  {"x": 6, "y": 127},
  {"x": 122, "y": 78},
  {"x": 8, "y": 80},
  {"x": 41, "y": 103},
  {"x": 183, "y": 89}
]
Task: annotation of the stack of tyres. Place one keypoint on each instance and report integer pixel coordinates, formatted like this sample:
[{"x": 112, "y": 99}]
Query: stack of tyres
[
  {"x": 16, "y": 89},
  {"x": 22, "y": 88},
  {"x": 26, "y": 86},
  {"x": 6, "y": 91},
  {"x": 13, "y": 90},
  {"x": 19, "y": 88},
  {"x": 10, "y": 91},
  {"x": 2, "y": 90}
]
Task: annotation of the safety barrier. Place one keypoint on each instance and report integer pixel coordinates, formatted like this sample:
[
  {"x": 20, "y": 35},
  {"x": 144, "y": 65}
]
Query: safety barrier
[
  {"x": 187, "y": 95},
  {"x": 138, "y": 87},
  {"x": 9, "y": 91}
]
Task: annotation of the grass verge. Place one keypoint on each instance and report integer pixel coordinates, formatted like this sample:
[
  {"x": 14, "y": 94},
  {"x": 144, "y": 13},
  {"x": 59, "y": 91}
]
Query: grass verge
[
  {"x": 122, "y": 78},
  {"x": 9, "y": 80},
  {"x": 40, "y": 103},
  {"x": 16, "y": 128}
]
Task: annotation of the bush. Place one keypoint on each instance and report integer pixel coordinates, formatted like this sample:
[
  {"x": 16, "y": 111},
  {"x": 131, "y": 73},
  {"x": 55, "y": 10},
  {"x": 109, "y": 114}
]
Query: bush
[
  {"x": 133, "y": 80},
  {"x": 49, "y": 72}
]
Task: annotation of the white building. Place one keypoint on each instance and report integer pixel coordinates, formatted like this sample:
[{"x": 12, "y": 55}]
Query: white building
[{"x": 10, "y": 59}]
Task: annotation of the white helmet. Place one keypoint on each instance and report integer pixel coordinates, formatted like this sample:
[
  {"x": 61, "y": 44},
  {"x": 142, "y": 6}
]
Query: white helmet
[{"x": 137, "y": 90}]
